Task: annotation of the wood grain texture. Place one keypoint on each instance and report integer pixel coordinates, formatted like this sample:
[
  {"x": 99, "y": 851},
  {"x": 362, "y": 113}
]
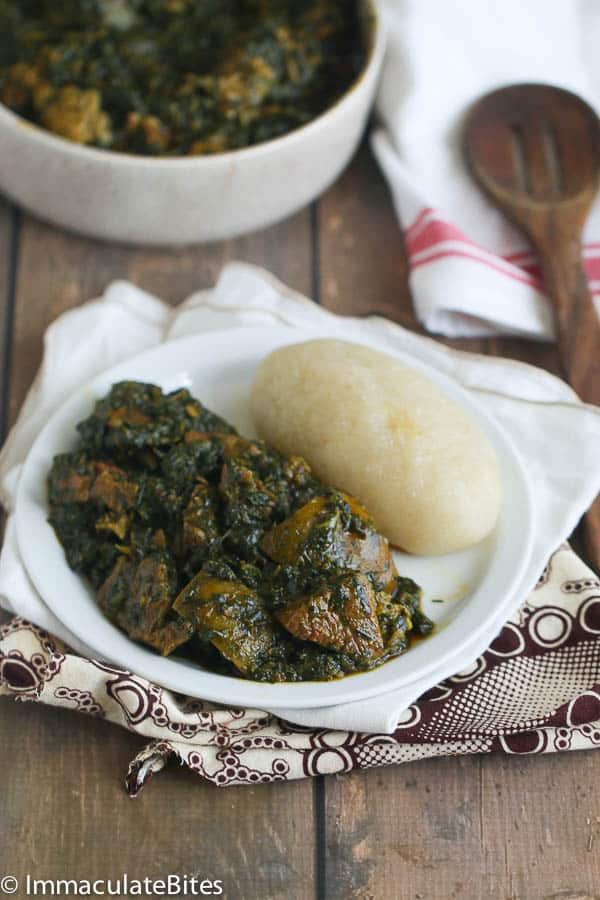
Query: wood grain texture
[
  {"x": 477, "y": 827},
  {"x": 8, "y": 228},
  {"x": 541, "y": 826},
  {"x": 7, "y": 225},
  {"x": 362, "y": 261},
  {"x": 64, "y": 814},
  {"x": 63, "y": 810},
  {"x": 57, "y": 270},
  {"x": 412, "y": 827}
]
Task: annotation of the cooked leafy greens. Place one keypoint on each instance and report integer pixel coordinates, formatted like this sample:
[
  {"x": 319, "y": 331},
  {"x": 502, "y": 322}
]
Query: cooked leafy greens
[
  {"x": 201, "y": 541},
  {"x": 177, "y": 77}
]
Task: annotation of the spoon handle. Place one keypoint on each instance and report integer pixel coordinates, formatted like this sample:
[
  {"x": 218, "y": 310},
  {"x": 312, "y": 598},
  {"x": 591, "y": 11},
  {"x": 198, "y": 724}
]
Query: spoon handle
[
  {"x": 577, "y": 321},
  {"x": 578, "y": 333}
]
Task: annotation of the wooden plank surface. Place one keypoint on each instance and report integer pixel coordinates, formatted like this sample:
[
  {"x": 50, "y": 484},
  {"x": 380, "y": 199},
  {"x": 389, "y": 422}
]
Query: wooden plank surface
[
  {"x": 497, "y": 827},
  {"x": 7, "y": 248},
  {"x": 9, "y": 221},
  {"x": 492, "y": 827},
  {"x": 63, "y": 809},
  {"x": 57, "y": 271},
  {"x": 449, "y": 828}
]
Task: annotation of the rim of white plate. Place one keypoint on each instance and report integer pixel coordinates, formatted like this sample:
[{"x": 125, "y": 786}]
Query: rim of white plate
[{"x": 238, "y": 347}]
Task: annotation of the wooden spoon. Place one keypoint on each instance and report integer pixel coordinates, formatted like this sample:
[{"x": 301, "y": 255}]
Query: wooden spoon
[{"x": 535, "y": 150}]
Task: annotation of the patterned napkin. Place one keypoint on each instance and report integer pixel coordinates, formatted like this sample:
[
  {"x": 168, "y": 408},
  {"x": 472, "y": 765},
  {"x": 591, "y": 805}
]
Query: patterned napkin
[
  {"x": 535, "y": 690},
  {"x": 535, "y": 687}
]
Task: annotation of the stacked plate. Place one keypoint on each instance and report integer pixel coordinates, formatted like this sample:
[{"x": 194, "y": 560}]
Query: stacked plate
[{"x": 468, "y": 595}]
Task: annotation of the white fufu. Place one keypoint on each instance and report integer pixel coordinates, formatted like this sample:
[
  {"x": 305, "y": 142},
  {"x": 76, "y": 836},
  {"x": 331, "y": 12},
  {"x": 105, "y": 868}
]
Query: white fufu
[{"x": 382, "y": 431}]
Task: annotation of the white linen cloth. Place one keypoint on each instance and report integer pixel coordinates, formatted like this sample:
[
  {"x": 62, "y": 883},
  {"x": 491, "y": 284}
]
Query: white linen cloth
[
  {"x": 557, "y": 436},
  {"x": 472, "y": 273}
]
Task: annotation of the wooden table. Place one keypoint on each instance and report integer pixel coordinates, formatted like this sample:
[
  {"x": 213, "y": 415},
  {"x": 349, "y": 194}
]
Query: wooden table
[{"x": 475, "y": 827}]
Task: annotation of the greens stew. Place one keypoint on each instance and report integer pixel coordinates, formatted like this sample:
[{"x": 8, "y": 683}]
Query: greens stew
[
  {"x": 201, "y": 541},
  {"x": 177, "y": 77}
]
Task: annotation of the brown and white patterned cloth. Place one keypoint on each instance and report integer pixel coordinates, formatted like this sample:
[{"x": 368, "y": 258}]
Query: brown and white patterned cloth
[{"x": 535, "y": 690}]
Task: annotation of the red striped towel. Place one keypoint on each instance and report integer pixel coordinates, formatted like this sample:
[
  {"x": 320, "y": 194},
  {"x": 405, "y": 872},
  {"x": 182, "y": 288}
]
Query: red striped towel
[{"x": 473, "y": 274}]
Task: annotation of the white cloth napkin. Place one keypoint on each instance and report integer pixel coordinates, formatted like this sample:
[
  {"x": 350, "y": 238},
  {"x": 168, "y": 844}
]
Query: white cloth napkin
[
  {"x": 557, "y": 435},
  {"x": 473, "y": 274}
]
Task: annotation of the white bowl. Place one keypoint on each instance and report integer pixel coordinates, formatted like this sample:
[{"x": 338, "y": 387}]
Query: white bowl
[{"x": 139, "y": 199}]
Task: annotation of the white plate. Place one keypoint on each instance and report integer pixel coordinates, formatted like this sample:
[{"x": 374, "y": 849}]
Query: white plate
[{"x": 218, "y": 367}]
